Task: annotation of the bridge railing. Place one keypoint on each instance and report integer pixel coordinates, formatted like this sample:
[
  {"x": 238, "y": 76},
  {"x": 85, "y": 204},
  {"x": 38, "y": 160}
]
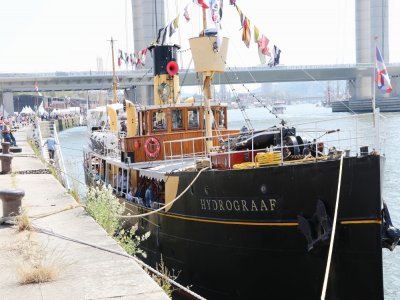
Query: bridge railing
[{"x": 144, "y": 71}]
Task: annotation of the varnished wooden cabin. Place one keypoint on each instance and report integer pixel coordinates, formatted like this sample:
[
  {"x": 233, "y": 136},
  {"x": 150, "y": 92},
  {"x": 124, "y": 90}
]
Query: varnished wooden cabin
[{"x": 160, "y": 124}]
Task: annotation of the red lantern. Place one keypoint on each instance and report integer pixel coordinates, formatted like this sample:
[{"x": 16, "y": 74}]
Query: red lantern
[
  {"x": 172, "y": 68},
  {"x": 136, "y": 145}
]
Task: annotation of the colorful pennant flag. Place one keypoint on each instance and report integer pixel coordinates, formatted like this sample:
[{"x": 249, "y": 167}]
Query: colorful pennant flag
[
  {"x": 256, "y": 34},
  {"x": 202, "y": 3},
  {"x": 173, "y": 26},
  {"x": 216, "y": 10},
  {"x": 162, "y": 35},
  {"x": 171, "y": 29},
  {"x": 240, "y": 15},
  {"x": 120, "y": 58},
  {"x": 176, "y": 22},
  {"x": 186, "y": 13},
  {"x": 382, "y": 76},
  {"x": 263, "y": 45},
  {"x": 263, "y": 49},
  {"x": 275, "y": 57},
  {"x": 246, "y": 34}
]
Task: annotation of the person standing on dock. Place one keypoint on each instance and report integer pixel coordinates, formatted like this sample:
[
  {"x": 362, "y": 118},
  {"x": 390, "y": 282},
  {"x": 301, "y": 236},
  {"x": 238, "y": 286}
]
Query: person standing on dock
[{"x": 51, "y": 146}]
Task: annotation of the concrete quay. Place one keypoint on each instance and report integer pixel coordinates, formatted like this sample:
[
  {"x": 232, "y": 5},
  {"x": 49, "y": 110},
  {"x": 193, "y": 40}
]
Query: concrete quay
[{"x": 85, "y": 272}]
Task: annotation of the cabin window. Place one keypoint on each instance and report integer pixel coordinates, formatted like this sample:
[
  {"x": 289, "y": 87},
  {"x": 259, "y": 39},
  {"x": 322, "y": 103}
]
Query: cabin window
[
  {"x": 193, "y": 118},
  {"x": 159, "y": 122},
  {"x": 177, "y": 119},
  {"x": 221, "y": 119}
]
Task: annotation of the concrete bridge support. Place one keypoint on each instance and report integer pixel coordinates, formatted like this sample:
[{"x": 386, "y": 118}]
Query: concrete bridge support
[
  {"x": 371, "y": 22},
  {"x": 7, "y": 102},
  {"x": 130, "y": 94},
  {"x": 396, "y": 87},
  {"x": 148, "y": 17}
]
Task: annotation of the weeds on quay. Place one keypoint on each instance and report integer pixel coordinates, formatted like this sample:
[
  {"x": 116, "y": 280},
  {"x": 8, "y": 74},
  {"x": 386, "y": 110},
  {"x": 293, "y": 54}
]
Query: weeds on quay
[
  {"x": 162, "y": 281},
  {"x": 130, "y": 241},
  {"x": 22, "y": 221},
  {"x": 104, "y": 208},
  {"x": 34, "y": 262}
]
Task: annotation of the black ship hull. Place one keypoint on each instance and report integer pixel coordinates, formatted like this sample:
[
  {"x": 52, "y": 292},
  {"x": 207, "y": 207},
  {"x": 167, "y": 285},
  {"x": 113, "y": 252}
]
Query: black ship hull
[{"x": 234, "y": 234}]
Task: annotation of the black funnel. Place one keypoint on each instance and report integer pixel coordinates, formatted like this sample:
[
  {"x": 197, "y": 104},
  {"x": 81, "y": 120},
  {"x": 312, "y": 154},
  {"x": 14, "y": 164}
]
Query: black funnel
[{"x": 162, "y": 55}]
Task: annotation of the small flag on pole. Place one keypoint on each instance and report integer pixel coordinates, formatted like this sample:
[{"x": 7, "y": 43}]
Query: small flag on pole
[{"x": 382, "y": 76}]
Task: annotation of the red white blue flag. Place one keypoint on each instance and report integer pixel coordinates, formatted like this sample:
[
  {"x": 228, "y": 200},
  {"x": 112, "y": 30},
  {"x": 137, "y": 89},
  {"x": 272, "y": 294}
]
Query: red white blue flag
[{"x": 382, "y": 76}]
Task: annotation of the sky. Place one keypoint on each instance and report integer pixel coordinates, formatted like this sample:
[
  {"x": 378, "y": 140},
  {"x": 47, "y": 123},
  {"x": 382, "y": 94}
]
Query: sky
[{"x": 59, "y": 35}]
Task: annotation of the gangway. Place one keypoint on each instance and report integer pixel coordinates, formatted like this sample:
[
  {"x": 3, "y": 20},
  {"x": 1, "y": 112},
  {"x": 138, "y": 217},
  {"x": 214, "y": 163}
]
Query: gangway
[{"x": 45, "y": 130}]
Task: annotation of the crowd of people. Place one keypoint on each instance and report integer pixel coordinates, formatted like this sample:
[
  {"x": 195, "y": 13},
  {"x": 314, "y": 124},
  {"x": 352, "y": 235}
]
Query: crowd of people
[{"x": 147, "y": 192}]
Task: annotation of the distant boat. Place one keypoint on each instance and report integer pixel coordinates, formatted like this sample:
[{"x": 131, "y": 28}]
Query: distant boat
[{"x": 278, "y": 107}]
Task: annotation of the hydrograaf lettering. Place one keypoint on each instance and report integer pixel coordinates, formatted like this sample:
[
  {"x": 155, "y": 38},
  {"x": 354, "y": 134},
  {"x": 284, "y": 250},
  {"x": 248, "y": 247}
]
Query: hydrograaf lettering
[
  {"x": 228, "y": 207},
  {"x": 263, "y": 205},
  {"x": 244, "y": 205},
  {"x": 221, "y": 205}
]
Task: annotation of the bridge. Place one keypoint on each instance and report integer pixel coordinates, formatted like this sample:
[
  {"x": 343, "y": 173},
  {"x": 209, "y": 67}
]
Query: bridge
[
  {"x": 371, "y": 19},
  {"x": 62, "y": 81}
]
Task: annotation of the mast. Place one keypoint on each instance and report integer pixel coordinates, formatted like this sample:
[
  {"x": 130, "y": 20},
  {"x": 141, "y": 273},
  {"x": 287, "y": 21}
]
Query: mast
[
  {"x": 207, "y": 78},
  {"x": 374, "y": 110},
  {"x": 204, "y": 21},
  {"x": 208, "y": 61},
  {"x": 374, "y": 83},
  {"x": 113, "y": 72}
]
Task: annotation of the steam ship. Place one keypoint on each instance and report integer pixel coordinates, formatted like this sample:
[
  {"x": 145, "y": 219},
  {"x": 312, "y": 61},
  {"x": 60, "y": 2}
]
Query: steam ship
[{"x": 243, "y": 214}]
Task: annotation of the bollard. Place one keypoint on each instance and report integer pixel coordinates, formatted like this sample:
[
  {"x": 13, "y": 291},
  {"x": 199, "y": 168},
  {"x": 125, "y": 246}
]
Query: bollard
[
  {"x": 6, "y": 147},
  {"x": 11, "y": 201},
  {"x": 5, "y": 158},
  {"x": 5, "y": 163}
]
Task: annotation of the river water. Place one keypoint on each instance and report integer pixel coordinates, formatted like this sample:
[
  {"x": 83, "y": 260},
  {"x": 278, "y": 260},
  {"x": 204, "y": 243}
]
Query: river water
[{"x": 72, "y": 141}]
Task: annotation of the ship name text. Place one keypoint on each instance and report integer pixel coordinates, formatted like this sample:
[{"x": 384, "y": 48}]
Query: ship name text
[{"x": 238, "y": 205}]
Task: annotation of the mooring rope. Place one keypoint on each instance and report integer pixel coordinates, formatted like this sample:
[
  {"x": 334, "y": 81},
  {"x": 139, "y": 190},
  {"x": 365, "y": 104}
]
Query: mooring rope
[
  {"x": 43, "y": 215},
  {"x": 328, "y": 263}
]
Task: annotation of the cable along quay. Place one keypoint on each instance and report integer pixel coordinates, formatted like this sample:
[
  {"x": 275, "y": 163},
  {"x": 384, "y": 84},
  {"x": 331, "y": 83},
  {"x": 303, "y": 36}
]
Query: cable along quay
[{"x": 65, "y": 254}]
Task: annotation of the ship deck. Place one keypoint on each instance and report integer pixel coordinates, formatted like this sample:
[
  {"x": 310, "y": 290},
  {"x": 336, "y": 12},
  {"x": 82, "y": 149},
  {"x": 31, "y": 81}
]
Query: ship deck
[{"x": 153, "y": 169}]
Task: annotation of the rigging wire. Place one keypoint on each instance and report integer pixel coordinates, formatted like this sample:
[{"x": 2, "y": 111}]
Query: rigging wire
[
  {"x": 342, "y": 101},
  {"x": 248, "y": 90},
  {"x": 183, "y": 81}
]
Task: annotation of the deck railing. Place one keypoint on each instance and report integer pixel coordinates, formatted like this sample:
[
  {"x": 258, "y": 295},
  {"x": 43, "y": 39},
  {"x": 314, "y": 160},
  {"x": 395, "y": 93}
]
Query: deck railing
[{"x": 356, "y": 132}]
